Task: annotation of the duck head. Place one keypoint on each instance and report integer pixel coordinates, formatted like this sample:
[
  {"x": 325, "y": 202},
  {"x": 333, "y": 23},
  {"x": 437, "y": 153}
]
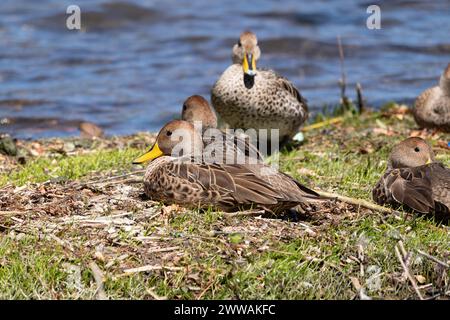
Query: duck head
[
  {"x": 247, "y": 52},
  {"x": 176, "y": 139},
  {"x": 196, "y": 108},
  {"x": 412, "y": 152}
]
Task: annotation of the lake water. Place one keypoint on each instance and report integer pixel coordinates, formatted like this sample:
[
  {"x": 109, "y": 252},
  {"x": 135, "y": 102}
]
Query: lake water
[{"x": 134, "y": 62}]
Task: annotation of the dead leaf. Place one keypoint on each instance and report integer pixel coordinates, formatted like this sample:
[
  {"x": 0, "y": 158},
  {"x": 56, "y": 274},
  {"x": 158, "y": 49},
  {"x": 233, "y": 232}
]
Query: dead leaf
[{"x": 420, "y": 279}]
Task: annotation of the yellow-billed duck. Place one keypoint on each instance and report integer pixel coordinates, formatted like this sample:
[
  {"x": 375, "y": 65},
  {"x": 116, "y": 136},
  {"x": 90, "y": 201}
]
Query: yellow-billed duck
[
  {"x": 178, "y": 174},
  {"x": 247, "y": 97}
]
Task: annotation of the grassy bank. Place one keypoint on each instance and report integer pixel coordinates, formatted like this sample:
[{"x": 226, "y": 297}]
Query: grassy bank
[{"x": 64, "y": 224}]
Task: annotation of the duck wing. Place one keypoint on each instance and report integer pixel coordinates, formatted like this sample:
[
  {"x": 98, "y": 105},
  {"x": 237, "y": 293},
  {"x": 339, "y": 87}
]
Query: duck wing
[
  {"x": 408, "y": 186},
  {"x": 231, "y": 147},
  {"x": 284, "y": 84},
  {"x": 226, "y": 186},
  {"x": 440, "y": 181}
]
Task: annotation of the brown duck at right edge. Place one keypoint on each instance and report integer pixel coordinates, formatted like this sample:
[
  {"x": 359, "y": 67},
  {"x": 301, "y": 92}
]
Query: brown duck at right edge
[
  {"x": 432, "y": 107},
  {"x": 413, "y": 178}
]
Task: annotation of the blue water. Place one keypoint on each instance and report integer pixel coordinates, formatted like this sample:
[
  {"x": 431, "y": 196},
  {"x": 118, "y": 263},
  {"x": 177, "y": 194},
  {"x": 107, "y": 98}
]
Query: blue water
[{"x": 133, "y": 63}]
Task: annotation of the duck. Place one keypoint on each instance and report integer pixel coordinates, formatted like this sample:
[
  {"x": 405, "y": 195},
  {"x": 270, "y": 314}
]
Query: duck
[
  {"x": 432, "y": 107},
  {"x": 177, "y": 174},
  {"x": 199, "y": 112},
  {"x": 247, "y": 97},
  {"x": 414, "y": 178}
]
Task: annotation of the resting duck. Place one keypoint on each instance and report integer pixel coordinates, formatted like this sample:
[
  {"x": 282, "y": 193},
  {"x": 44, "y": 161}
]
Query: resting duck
[
  {"x": 413, "y": 178},
  {"x": 432, "y": 107},
  {"x": 197, "y": 110},
  {"x": 178, "y": 174}
]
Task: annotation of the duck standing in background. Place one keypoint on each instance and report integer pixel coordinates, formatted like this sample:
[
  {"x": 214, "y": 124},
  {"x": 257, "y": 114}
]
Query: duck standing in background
[{"x": 246, "y": 97}]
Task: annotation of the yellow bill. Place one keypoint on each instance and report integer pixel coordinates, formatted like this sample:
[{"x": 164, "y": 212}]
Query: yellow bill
[
  {"x": 152, "y": 154},
  {"x": 249, "y": 64},
  {"x": 429, "y": 161}
]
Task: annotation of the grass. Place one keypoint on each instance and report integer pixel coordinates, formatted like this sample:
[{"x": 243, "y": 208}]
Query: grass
[
  {"x": 326, "y": 255},
  {"x": 70, "y": 168}
]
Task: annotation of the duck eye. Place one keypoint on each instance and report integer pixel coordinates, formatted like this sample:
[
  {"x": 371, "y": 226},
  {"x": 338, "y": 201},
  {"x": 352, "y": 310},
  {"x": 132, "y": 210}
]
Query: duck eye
[
  {"x": 184, "y": 107},
  {"x": 168, "y": 133},
  {"x": 416, "y": 149}
]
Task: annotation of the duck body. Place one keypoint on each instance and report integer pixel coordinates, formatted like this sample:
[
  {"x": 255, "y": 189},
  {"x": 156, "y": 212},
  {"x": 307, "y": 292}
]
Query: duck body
[
  {"x": 425, "y": 189},
  {"x": 231, "y": 147},
  {"x": 225, "y": 187},
  {"x": 413, "y": 178},
  {"x": 272, "y": 102},
  {"x": 432, "y": 108},
  {"x": 188, "y": 179}
]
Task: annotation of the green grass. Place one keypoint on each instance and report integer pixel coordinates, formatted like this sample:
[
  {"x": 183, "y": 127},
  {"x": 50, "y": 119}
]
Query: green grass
[
  {"x": 286, "y": 273},
  {"x": 245, "y": 258},
  {"x": 71, "y": 167},
  {"x": 30, "y": 273}
]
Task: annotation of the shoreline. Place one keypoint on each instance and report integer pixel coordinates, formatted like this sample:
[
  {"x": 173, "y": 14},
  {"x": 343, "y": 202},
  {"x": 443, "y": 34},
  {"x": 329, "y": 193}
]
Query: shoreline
[{"x": 74, "y": 204}]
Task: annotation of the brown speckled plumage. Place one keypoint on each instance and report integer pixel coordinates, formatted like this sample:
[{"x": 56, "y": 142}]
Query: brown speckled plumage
[
  {"x": 410, "y": 181},
  {"x": 432, "y": 107},
  {"x": 196, "y": 184},
  {"x": 272, "y": 102}
]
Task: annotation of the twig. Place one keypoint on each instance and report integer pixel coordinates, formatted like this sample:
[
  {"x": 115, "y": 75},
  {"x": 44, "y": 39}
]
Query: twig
[
  {"x": 406, "y": 270},
  {"x": 99, "y": 279},
  {"x": 251, "y": 213},
  {"x": 322, "y": 123},
  {"x": 61, "y": 242},
  {"x": 359, "y": 288},
  {"x": 155, "y": 295},
  {"x": 127, "y": 181},
  {"x": 361, "y": 259},
  {"x": 155, "y": 250},
  {"x": 114, "y": 177},
  {"x": 360, "y": 99},
  {"x": 205, "y": 290},
  {"x": 149, "y": 268},
  {"x": 12, "y": 212},
  {"x": 359, "y": 202},
  {"x": 426, "y": 255},
  {"x": 343, "y": 80}
]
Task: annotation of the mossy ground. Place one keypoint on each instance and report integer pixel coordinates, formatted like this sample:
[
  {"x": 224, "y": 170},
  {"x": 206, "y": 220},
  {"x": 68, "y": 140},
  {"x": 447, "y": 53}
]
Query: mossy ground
[{"x": 60, "y": 214}]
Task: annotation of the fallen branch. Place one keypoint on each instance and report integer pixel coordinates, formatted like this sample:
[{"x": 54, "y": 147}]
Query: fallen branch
[
  {"x": 99, "y": 280},
  {"x": 406, "y": 269},
  {"x": 359, "y": 202}
]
